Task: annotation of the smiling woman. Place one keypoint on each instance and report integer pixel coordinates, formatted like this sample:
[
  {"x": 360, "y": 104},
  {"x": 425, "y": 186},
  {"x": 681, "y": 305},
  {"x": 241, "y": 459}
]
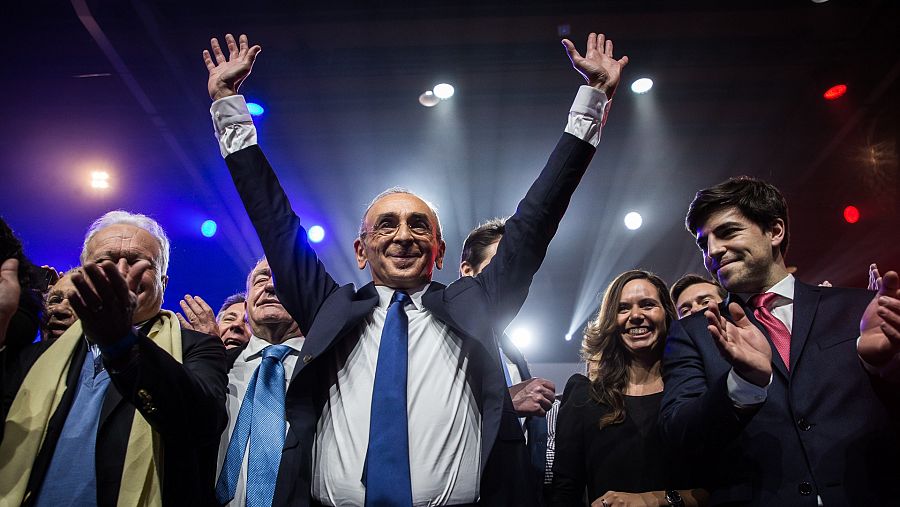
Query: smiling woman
[{"x": 607, "y": 438}]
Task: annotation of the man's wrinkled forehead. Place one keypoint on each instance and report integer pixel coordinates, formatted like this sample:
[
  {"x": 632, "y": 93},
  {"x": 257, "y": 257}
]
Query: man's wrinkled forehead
[{"x": 399, "y": 205}]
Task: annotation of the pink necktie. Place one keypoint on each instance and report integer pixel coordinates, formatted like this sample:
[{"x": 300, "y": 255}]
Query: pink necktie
[{"x": 778, "y": 332}]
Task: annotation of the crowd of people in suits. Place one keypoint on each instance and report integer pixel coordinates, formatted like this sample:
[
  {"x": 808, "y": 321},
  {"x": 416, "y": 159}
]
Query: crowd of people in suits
[{"x": 747, "y": 388}]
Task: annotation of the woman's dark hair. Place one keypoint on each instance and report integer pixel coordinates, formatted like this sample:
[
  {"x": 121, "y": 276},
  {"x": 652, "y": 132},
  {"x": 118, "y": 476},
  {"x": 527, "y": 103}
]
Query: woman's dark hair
[
  {"x": 757, "y": 200},
  {"x": 602, "y": 338}
]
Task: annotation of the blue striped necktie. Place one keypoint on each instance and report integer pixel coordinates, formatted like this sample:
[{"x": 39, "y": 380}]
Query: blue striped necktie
[
  {"x": 261, "y": 420},
  {"x": 387, "y": 459}
]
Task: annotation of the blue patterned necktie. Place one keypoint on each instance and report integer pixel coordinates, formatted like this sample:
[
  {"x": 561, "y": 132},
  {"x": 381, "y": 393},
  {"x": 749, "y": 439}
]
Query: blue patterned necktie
[
  {"x": 387, "y": 459},
  {"x": 261, "y": 420}
]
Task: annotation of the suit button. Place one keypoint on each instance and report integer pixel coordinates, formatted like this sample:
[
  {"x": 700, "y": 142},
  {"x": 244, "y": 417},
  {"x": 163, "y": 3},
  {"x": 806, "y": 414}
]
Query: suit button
[
  {"x": 803, "y": 424},
  {"x": 805, "y": 488},
  {"x": 307, "y": 358}
]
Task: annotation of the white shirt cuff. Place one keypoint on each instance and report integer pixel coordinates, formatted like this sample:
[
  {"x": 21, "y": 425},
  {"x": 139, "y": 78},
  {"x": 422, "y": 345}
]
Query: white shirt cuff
[
  {"x": 588, "y": 114},
  {"x": 233, "y": 124},
  {"x": 744, "y": 393}
]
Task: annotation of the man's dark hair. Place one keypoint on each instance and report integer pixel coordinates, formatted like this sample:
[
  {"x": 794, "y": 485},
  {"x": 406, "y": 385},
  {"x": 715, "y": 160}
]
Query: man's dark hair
[
  {"x": 691, "y": 279},
  {"x": 233, "y": 299},
  {"x": 757, "y": 200},
  {"x": 480, "y": 238}
]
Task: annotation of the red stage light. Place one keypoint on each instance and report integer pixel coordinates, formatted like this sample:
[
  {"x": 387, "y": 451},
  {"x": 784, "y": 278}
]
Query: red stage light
[
  {"x": 835, "y": 92},
  {"x": 851, "y": 214}
]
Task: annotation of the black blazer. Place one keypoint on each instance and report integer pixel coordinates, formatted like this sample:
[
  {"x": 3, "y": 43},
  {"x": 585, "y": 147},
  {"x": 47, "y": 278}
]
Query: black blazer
[
  {"x": 184, "y": 402},
  {"x": 476, "y": 308},
  {"x": 826, "y": 428},
  {"x": 536, "y": 426}
]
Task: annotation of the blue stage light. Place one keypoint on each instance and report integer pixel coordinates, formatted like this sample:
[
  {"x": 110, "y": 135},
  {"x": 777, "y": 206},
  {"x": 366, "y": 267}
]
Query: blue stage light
[
  {"x": 255, "y": 109},
  {"x": 209, "y": 228},
  {"x": 316, "y": 233}
]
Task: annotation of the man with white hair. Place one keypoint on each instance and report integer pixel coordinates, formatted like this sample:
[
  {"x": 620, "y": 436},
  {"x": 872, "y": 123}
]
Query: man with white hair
[{"x": 125, "y": 407}]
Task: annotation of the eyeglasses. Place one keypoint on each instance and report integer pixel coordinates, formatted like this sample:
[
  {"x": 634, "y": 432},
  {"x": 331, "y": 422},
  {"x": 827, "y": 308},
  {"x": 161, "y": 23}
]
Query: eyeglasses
[{"x": 388, "y": 228}]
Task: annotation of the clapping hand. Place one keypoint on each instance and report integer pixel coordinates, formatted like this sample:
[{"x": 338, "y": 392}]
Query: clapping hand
[
  {"x": 879, "y": 329},
  {"x": 598, "y": 66},
  {"x": 226, "y": 75},
  {"x": 105, "y": 301},
  {"x": 198, "y": 316},
  {"x": 741, "y": 343},
  {"x": 533, "y": 397}
]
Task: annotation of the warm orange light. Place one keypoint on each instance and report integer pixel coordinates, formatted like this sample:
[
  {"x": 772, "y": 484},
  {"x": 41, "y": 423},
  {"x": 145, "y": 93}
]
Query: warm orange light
[{"x": 835, "y": 92}]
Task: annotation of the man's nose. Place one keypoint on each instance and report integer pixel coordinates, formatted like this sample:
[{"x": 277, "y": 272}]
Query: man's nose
[{"x": 403, "y": 233}]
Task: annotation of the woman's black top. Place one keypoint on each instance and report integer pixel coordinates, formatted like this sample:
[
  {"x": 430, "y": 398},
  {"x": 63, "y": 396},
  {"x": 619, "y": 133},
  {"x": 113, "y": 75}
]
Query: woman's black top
[{"x": 627, "y": 457}]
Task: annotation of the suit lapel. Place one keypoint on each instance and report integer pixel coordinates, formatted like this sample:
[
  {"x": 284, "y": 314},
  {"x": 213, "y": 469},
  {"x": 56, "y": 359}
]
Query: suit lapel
[
  {"x": 806, "y": 302},
  {"x": 334, "y": 320}
]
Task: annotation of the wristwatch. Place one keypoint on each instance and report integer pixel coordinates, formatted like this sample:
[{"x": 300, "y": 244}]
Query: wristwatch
[{"x": 674, "y": 498}]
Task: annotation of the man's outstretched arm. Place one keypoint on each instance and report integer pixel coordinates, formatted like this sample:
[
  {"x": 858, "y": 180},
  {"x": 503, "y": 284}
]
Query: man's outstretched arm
[
  {"x": 528, "y": 232},
  {"x": 301, "y": 281}
]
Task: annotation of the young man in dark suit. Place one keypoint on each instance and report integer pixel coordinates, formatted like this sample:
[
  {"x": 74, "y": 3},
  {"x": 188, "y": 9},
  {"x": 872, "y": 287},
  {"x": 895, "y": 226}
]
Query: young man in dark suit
[
  {"x": 786, "y": 391},
  {"x": 400, "y": 397}
]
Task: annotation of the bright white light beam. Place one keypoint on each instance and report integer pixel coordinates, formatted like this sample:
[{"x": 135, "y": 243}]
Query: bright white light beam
[{"x": 633, "y": 220}]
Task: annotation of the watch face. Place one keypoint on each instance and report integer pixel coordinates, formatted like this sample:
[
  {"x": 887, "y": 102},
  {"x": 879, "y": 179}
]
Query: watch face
[{"x": 674, "y": 498}]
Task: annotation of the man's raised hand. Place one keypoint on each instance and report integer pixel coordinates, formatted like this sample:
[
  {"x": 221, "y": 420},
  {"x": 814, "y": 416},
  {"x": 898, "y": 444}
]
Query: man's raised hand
[
  {"x": 226, "y": 75},
  {"x": 741, "y": 343},
  {"x": 598, "y": 66}
]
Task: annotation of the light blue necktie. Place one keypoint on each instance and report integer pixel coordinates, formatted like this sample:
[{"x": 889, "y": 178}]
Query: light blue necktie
[
  {"x": 505, "y": 366},
  {"x": 386, "y": 474},
  {"x": 261, "y": 420}
]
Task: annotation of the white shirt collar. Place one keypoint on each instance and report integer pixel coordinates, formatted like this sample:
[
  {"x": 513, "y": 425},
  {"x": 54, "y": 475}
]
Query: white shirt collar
[
  {"x": 784, "y": 288},
  {"x": 385, "y": 294},
  {"x": 256, "y": 345}
]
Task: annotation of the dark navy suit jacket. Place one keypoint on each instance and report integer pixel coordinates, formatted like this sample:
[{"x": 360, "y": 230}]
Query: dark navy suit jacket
[
  {"x": 536, "y": 426},
  {"x": 475, "y": 308},
  {"x": 827, "y": 428}
]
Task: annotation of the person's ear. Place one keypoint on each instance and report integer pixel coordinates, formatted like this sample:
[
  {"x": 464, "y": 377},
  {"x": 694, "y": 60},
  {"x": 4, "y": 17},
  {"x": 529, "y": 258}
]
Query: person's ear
[
  {"x": 466, "y": 269},
  {"x": 439, "y": 260},
  {"x": 777, "y": 230},
  {"x": 360, "y": 248}
]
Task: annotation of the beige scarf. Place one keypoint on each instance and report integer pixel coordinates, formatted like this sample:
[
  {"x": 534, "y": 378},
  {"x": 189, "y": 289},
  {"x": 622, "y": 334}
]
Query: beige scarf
[{"x": 37, "y": 400}]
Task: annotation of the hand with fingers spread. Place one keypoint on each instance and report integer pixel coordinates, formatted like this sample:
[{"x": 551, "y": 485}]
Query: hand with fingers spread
[
  {"x": 598, "y": 66},
  {"x": 10, "y": 291},
  {"x": 226, "y": 75},
  {"x": 533, "y": 396},
  {"x": 198, "y": 316},
  {"x": 105, "y": 301},
  {"x": 879, "y": 329},
  {"x": 741, "y": 343}
]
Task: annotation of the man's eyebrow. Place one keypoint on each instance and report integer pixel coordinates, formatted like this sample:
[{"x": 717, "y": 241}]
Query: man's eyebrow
[{"x": 387, "y": 214}]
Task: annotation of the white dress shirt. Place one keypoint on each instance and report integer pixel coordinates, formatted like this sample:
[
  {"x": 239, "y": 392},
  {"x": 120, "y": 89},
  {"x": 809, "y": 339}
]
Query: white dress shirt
[
  {"x": 444, "y": 421},
  {"x": 238, "y": 378}
]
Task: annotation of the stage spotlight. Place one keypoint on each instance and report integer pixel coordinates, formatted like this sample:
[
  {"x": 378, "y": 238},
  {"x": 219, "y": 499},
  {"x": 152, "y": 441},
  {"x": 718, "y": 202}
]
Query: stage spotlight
[
  {"x": 633, "y": 220},
  {"x": 835, "y": 92},
  {"x": 429, "y": 99},
  {"x": 443, "y": 91},
  {"x": 568, "y": 337},
  {"x": 851, "y": 214},
  {"x": 255, "y": 109},
  {"x": 209, "y": 228},
  {"x": 316, "y": 233},
  {"x": 642, "y": 85},
  {"x": 521, "y": 337},
  {"x": 99, "y": 179}
]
